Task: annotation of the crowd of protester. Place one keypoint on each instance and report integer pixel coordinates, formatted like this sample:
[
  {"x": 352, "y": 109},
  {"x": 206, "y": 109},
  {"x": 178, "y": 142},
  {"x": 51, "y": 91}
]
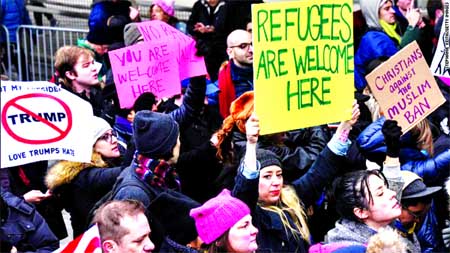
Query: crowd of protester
[{"x": 191, "y": 173}]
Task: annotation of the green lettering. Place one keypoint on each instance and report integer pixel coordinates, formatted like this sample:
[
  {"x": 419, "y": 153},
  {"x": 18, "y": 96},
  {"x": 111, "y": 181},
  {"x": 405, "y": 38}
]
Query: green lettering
[
  {"x": 349, "y": 28},
  {"x": 281, "y": 62},
  {"x": 314, "y": 35},
  {"x": 262, "y": 64},
  {"x": 261, "y": 25},
  {"x": 270, "y": 61},
  {"x": 299, "y": 63},
  {"x": 323, "y": 21},
  {"x": 288, "y": 23},
  {"x": 273, "y": 25}
]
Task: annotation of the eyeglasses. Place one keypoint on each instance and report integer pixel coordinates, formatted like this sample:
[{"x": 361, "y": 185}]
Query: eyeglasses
[
  {"x": 417, "y": 215},
  {"x": 243, "y": 45},
  {"x": 108, "y": 136}
]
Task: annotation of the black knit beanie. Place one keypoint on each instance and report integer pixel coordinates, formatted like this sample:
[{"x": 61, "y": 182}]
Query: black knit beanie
[
  {"x": 155, "y": 134},
  {"x": 267, "y": 158}
]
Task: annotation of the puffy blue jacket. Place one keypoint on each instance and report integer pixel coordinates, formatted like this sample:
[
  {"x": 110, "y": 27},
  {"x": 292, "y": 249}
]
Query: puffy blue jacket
[
  {"x": 12, "y": 14},
  {"x": 429, "y": 234},
  {"x": 24, "y": 228},
  {"x": 433, "y": 170},
  {"x": 374, "y": 44}
]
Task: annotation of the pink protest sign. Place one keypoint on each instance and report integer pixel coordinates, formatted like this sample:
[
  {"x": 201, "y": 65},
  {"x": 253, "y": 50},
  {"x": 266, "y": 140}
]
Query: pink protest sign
[
  {"x": 147, "y": 67},
  {"x": 189, "y": 64}
]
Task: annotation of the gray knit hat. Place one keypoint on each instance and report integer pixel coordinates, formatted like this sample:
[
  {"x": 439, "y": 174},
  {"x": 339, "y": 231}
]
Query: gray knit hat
[
  {"x": 155, "y": 134},
  {"x": 131, "y": 34},
  {"x": 267, "y": 158}
]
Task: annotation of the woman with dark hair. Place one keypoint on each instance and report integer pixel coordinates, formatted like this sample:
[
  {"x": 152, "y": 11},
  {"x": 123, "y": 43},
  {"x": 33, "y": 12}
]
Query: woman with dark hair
[
  {"x": 365, "y": 200},
  {"x": 365, "y": 204}
]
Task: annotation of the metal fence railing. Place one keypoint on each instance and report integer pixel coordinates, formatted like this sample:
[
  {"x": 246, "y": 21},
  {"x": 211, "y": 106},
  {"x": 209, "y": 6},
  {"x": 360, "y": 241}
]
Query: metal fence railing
[
  {"x": 76, "y": 14},
  {"x": 5, "y": 53},
  {"x": 36, "y": 46}
]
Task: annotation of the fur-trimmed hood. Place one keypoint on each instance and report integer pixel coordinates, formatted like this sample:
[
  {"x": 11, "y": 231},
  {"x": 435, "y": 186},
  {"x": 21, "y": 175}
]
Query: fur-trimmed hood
[{"x": 64, "y": 172}]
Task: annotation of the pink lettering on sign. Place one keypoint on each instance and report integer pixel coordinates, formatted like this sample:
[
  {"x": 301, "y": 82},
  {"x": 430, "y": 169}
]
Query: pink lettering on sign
[{"x": 145, "y": 68}]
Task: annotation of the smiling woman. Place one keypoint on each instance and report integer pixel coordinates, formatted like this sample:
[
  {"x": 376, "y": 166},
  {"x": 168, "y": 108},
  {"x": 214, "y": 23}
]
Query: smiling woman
[{"x": 78, "y": 186}]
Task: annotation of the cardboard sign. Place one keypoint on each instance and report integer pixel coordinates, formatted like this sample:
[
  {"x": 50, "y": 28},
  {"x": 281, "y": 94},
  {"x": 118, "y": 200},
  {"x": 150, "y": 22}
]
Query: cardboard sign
[
  {"x": 189, "y": 63},
  {"x": 405, "y": 87},
  {"x": 303, "y": 63},
  {"x": 440, "y": 66},
  {"x": 145, "y": 68},
  {"x": 41, "y": 121}
]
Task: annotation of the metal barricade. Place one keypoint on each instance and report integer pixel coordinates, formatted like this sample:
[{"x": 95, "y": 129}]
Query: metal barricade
[
  {"x": 7, "y": 47},
  {"x": 36, "y": 46}
]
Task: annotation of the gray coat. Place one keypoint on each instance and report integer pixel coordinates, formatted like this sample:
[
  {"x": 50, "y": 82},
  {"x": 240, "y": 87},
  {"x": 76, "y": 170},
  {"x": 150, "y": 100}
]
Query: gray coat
[{"x": 352, "y": 232}]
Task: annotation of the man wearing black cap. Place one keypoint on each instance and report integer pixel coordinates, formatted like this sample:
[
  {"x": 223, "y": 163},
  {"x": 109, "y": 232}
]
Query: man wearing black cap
[{"x": 418, "y": 213}]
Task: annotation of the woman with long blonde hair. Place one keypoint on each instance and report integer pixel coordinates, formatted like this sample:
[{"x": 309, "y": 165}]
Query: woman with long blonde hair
[{"x": 278, "y": 209}]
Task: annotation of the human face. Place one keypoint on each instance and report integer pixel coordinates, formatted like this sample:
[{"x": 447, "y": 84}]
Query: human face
[
  {"x": 413, "y": 214},
  {"x": 384, "y": 207},
  {"x": 270, "y": 184},
  {"x": 404, "y": 4},
  {"x": 107, "y": 146},
  {"x": 242, "y": 236},
  {"x": 212, "y": 3},
  {"x": 158, "y": 14},
  {"x": 387, "y": 13},
  {"x": 85, "y": 72},
  {"x": 241, "y": 51},
  {"x": 138, "y": 238}
]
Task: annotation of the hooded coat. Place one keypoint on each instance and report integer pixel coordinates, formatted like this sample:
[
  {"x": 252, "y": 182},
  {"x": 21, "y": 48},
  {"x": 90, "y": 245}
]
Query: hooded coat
[
  {"x": 79, "y": 186},
  {"x": 376, "y": 43}
]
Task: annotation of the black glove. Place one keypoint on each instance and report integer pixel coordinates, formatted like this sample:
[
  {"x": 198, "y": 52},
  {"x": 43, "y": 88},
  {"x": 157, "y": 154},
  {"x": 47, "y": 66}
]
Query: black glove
[{"x": 392, "y": 132}]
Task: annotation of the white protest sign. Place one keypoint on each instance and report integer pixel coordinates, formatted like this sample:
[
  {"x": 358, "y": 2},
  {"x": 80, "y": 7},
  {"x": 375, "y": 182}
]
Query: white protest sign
[
  {"x": 41, "y": 121},
  {"x": 441, "y": 60}
]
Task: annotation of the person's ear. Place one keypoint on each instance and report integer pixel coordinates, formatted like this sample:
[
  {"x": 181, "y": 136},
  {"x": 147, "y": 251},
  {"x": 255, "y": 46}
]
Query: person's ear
[
  {"x": 230, "y": 53},
  {"x": 361, "y": 213},
  {"x": 70, "y": 74},
  {"x": 109, "y": 246}
]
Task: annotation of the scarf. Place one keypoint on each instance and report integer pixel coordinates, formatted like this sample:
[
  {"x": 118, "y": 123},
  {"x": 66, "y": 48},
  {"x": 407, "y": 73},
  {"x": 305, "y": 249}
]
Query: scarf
[
  {"x": 390, "y": 30},
  {"x": 156, "y": 172}
]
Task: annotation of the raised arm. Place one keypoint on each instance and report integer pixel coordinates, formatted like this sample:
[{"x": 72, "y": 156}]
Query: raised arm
[
  {"x": 309, "y": 187},
  {"x": 246, "y": 183}
]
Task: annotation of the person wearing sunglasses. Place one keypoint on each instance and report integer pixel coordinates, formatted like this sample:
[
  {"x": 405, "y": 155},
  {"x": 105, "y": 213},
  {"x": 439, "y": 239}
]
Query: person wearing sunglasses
[
  {"x": 78, "y": 186},
  {"x": 236, "y": 77},
  {"x": 418, "y": 216}
]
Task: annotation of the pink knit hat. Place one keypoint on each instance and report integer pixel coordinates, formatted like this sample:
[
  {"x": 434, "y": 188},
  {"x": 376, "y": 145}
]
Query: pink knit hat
[
  {"x": 217, "y": 215},
  {"x": 166, "y": 5}
]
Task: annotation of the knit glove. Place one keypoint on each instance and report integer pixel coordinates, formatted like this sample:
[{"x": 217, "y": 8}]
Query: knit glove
[{"x": 392, "y": 132}]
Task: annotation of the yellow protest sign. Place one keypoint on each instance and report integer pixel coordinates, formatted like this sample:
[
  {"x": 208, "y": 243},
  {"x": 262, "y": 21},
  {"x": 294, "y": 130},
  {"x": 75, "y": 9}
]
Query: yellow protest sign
[
  {"x": 303, "y": 63},
  {"x": 405, "y": 87}
]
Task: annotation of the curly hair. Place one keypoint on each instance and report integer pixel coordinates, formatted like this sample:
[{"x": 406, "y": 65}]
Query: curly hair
[{"x": 240, "y": 110}]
